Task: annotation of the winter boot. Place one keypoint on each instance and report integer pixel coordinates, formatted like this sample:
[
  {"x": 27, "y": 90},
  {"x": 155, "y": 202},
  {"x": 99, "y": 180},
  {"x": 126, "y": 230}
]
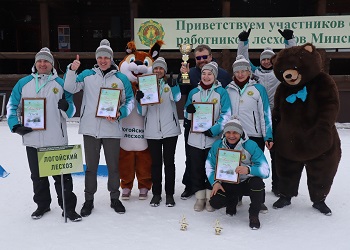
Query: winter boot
[
  {"x": 87, "y": 208},
  {"x": 254, "y": 222},
  {"x": 118, "y": 206},
  {"x": 72, "y": 215},
  {"x": 143, "y": 194},
  {"x": 186, "y": 194},
  {"x": 126, "y": 193},
  {"x": 263, "y": 209},
  {"x": 39, "y": 212},
  {"x": 322, "y": 207},
  {"x": 208, "y": 207},
  {"x": 169, "y": 201},
  {"x": 156, "y": 199},
  {"x": 200, "y": 202},
  {"x": 282, "y": 202}
]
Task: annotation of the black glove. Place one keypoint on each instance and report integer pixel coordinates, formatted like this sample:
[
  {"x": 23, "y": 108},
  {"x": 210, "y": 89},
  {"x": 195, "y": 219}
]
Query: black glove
[
  {"x": 286, "y": 33},
  {"x": 243, "y": 36},
  {"x": 21, "y": 130},
  {"x": 63, "y": 104},
  {"x": 191, "y": 109},
  {"x": 208, "y": 133},
  {"x": 139, "y": 95},
  {"x": 171, "y": 81}
]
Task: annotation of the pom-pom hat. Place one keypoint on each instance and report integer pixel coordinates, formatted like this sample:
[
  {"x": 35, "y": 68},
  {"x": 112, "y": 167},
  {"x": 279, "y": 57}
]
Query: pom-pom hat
[
  {"x": 160, "y": 62},
  {"x": 233, "y": 125},
  {"x": 45, "y": 54},
  {"x": 104, "y": 50},
  {"x": 213, "y": 67}
]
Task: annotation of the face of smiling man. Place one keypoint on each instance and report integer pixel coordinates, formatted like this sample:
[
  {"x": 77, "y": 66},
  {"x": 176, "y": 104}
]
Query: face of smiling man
[
  {"x": 104, "y": 62},
  {"x": 43, "y": 67}
]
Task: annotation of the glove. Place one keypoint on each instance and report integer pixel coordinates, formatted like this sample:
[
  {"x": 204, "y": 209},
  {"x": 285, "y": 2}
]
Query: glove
[
  {"x": 171, "y": 82},
  {"x": 243, "y": 36},
  {"x": 139, "y": 95},
  {"x": 63, "y": 104},
  {"x": 208, "y": 133},
  {"x": 21, "y": 130},
  {"x": 286, "y": 33},
  {"x": 191, "y": 109}
]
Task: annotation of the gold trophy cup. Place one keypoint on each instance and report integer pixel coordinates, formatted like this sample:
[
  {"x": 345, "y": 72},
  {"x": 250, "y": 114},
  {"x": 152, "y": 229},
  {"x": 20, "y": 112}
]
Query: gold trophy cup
[{"x": 185, "y": 48}]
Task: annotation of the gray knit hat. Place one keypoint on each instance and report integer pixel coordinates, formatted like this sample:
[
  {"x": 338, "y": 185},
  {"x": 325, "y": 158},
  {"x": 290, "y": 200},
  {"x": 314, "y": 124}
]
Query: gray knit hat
[
  {"x": 160, "y": 62},
  {"x": 241, "y": 64},
  {"x": 233, "y": 125},
  {"x": 267, "y": 53},
  {"x": 45, "y": 54},
  {"x": 104, "y": 49},
  {"x": 213, "y": 67}
]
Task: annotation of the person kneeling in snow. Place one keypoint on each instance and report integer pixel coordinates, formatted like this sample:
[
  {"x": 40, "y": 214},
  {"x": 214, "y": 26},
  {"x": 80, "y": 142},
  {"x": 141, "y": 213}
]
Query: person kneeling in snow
[{"x": 253, "y": 168}]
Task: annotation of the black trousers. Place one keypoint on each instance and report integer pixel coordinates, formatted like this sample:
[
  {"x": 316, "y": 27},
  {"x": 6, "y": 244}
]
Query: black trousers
[
  {"x": 199, "y": 177},
  {"x": 253, "y": 187},
  {"x": 163, "y": 150},
  {"x": 41, "y": 185},
  {"x": 186, "y": 179}
]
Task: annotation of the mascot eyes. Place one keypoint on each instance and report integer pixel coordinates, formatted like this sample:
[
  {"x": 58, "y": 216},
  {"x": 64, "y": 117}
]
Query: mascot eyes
[
  {"x": 132, "y": 59},
  {"x": 146, "y": 62}
]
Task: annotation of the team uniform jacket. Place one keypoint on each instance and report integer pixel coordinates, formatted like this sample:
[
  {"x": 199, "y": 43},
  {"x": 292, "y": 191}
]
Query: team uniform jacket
[
  {"x": 55, "y": 133},
  {"x": 222, "y": 112},
  {"x": 252, "y": 157},
  {"x": 91, "y": 81},
  {"x": 251, "y": 105},
  {"x": 161, "y": 120},
  {"x": 267, "y": 78}
]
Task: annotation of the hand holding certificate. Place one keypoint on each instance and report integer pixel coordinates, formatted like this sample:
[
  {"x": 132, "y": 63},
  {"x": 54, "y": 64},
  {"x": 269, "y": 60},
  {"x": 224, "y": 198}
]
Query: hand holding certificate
[{"x": 148, "y": 84}]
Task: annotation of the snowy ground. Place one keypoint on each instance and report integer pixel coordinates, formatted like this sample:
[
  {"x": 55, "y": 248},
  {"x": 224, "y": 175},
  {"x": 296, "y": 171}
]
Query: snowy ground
[{"x": 298, "y": 226}]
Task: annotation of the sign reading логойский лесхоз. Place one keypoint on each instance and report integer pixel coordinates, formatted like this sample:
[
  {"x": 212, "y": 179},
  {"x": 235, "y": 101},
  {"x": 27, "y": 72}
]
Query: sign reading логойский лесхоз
[{"x": 60, "y": 160}]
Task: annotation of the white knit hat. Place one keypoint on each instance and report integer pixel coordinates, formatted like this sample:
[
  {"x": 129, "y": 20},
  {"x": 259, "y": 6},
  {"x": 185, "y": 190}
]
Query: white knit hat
[
  {"x": 267, "y": 53},
  {"x": 104, "y": 50},
  {"x": 233, "y": 125},
  {"x": 241, "y": 64},
  {"x": 213, "y": 67},
  {"x": 160, "y": 62},
  {"x": 45, "y": 54}
]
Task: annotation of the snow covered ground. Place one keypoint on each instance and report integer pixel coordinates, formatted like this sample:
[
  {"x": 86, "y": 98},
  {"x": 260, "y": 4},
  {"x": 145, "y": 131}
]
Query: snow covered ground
[{"x": 298, "y": 226}]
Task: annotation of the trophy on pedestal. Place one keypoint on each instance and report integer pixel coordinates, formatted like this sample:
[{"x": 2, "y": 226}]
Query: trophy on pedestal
[{"x": 185, "y": 48}]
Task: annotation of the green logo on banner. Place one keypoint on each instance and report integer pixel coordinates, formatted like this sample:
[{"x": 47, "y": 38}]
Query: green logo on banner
[
  {"x": 150, "y": 32},
  {"x": 60, "y": 160}
]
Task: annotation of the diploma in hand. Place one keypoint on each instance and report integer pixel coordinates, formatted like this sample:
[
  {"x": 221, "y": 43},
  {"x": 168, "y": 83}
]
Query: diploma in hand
[
  {"x": 34, "y": 113},
  {"x": 227, "y": 160}
]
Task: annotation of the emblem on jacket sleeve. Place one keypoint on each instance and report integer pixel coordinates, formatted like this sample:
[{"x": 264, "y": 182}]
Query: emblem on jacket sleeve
[
  {"x": 55, "y": 90},
  {"x": 114, "y": 85}
]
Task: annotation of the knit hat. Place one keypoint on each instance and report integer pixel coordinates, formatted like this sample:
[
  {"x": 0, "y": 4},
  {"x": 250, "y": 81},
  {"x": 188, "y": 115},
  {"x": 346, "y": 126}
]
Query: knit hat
[
  {"x": 104, "y": 49},
  {"x": 241, "y": 64},
  {"x": 213, "y": 67},
  {"x": 267, "y": 53},
  {"x": 233, "y": 125},
  {"x": 160, "y": 62},
  {"x": 44, "y": 54}
]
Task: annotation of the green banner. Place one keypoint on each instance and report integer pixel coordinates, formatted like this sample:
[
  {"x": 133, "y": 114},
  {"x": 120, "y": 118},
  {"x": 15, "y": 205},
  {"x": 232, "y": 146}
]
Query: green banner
[
  {"x": 328, "y": 32},
  {"x": 60, "y": 160}
]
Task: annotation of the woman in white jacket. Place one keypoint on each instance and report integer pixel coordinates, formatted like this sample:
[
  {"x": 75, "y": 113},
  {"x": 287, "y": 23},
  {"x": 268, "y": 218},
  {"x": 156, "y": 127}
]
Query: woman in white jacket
[{"x": 161, "y": 130}]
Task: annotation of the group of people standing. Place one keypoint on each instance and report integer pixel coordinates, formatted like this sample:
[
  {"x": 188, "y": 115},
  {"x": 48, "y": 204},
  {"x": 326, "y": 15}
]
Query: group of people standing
[{"x": 242, "y": 121}]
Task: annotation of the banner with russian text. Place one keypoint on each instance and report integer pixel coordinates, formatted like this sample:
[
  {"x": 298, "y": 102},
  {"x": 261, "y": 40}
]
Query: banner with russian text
[
  {"x": 222, "y": 33},
  {"x": 60, "y": 160}
]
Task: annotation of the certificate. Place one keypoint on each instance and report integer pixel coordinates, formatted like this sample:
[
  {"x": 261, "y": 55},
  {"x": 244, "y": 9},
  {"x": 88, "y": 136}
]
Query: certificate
[
  {"x": 148, "y": 84},
  {"x": 34, "y": 113},
  {"x": 108, "y": 102},
  {"x": 203, "y": 118},
  {"x": 227, "y": 160}
]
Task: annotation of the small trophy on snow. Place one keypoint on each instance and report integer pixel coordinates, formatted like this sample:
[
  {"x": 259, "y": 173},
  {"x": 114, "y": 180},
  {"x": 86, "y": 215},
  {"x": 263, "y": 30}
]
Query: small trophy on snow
[
  {"x": 184, "y": 224},
  {"x": 217, "y": 227}
]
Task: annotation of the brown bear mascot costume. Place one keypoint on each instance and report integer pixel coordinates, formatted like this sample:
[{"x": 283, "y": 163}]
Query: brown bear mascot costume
[
  {"x": 135, "y": 158},
  {"x": 304, "y": 116}
]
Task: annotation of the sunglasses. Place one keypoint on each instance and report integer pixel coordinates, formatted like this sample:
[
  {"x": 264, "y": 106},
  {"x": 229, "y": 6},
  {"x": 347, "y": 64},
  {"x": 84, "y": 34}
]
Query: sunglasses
[{"x": 200, "y": 57}]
